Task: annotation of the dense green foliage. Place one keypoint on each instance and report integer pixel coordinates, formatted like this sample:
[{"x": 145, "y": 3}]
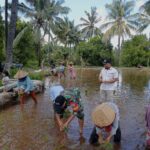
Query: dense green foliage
[
  {"x": 136, "y": 51},
  {"x": 83, "y": 43},
  {"x": 94, "y": 51},
  {"x": 1, "y": 39},
  {"x": 25, "y": 49}
]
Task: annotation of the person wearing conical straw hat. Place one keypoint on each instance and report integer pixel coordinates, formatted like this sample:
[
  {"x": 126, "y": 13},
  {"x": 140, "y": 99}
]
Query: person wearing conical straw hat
[
  {"x": 106, "y": 124},
  {"x": 25, "y": 86}
]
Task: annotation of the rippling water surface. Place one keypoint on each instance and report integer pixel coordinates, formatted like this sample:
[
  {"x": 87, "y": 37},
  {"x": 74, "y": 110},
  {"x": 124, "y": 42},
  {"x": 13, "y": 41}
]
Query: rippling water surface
[{"x": 34, "y": 127}]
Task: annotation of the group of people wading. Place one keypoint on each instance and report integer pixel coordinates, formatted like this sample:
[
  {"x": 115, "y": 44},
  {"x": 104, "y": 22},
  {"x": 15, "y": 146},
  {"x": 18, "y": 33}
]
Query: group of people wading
[{"x": 105, "y": 116}]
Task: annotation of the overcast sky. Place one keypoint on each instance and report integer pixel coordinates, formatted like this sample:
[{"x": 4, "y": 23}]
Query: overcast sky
[{"x": 79, "y": 6}]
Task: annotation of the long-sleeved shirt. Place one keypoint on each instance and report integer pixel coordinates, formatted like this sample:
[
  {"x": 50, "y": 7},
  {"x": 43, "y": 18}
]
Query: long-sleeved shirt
[
  {"x": 115, "y": 123},
  {"x": 26, "y": 84}
]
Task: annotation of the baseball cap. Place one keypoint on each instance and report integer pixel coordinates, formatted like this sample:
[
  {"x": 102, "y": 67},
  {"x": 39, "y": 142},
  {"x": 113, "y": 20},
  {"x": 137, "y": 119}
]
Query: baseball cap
[
  {"x": 106, "y": 61},
  {"x": 59, "y": 101}
]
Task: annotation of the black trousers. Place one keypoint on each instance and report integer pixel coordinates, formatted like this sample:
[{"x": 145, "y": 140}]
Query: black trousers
[{"x": 94, "y": 136}]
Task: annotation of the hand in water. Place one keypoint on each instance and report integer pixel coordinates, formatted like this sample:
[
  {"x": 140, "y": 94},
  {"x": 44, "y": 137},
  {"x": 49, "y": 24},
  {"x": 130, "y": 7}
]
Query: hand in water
[{"x": 64, "y": 127}]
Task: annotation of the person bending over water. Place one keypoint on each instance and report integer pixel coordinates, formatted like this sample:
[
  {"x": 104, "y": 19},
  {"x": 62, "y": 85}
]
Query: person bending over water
[
  {"x": 106, "y": 124},
  {"x": 64, "y": 100},
  {"x": 25, "y": 86}
]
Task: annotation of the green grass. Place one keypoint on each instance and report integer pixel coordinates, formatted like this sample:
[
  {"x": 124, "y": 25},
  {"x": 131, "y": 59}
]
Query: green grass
[
  {"x": 13, "y": 72},
  {"x": 37, "y": 76},
  {"x": 1, "y": 83}
]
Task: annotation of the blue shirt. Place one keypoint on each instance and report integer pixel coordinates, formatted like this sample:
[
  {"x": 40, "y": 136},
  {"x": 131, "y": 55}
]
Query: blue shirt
[{"x": 26, "y": 84}]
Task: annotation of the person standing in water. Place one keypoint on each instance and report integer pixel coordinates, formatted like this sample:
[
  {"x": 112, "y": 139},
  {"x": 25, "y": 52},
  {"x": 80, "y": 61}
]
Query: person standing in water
[
  {"x": 108, "y": 78},
  {"x": 61, "y": 70},
  {"x": 71, "y": 71},
  {"x": 25, "y": 87}
]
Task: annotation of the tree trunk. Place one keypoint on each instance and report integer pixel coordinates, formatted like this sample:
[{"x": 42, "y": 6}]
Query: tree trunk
[
  {"x": 11, "y": 35},
  {"x": 39, "y": 53},
  {"x": 119, "y": 48},
  {"x": 6, "y": 23}
]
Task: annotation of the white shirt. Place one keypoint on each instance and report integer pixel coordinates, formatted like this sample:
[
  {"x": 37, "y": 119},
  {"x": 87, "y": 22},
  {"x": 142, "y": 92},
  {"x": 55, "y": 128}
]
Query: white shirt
[
  {"x": 55, "y": 91},
  {"x": 115, "y": 123},
  {"x": 108, "y": 74}
]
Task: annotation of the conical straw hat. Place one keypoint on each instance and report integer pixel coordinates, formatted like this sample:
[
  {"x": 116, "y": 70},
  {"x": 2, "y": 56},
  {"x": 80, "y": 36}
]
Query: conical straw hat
[
  {"x": 103, "y": 115},
  {"x": 71, "y": 63},
  {"x": 20, "y": 74}
]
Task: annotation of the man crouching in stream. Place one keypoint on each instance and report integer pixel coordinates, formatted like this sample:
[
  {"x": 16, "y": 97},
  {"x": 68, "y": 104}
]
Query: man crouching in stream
[{"x": 68, "y": 99}]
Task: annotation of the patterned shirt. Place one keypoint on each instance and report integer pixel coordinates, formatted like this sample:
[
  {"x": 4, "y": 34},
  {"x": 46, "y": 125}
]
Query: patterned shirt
[{"x": 73, "y": 97}]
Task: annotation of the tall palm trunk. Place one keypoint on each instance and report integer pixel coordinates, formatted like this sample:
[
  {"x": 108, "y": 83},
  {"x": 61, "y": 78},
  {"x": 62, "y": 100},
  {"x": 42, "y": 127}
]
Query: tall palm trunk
[
  {"x": 11, "y": 35},
  {"x": 119, "y": 39},
  {"x": 6, "y": 23},
  {"x": 119, "y": 48},
  {"x": 38, "y": 49}
]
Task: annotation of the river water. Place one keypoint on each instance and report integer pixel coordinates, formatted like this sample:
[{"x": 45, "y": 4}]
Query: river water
[{"x": 34, "y": 127}]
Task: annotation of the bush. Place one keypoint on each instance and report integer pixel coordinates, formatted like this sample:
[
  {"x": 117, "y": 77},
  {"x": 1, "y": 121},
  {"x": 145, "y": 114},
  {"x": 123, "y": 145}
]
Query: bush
[
  {"x": 13, "y": 71},
  {"x": 136, "y": 51},
  {"x": 1, "y": 83},
  {"x": 33, "y": 64},
  {"x": 37, "y": 76}
]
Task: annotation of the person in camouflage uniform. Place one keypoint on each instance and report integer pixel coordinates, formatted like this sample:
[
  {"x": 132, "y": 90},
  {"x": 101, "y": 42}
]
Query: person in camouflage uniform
[
  {"x": 69, "y": 99},
  {"x": 73, "y": 98}
]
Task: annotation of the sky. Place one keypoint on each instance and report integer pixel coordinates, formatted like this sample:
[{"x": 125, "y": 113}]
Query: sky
[{"x": 79, "y": 6}]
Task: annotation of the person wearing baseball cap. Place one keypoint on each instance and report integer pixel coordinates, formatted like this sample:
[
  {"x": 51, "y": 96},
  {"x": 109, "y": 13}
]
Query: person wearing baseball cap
[
  {"x": 69, "y": 99},
  {"x": 106, "y": 123},
  {"x": 108, "y": 78},
  {"x": 60, "y": 105}
]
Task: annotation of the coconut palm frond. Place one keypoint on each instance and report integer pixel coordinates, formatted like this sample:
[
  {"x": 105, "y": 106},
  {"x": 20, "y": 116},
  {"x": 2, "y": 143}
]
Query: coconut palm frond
[
  {"x": 19, "y": 36},
  {"x": 89, "y": 25}
]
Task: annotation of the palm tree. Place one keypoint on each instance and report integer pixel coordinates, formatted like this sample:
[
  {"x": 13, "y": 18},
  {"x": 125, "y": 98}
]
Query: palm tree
[
  {"x": 121, "y": 21},
  {"x": 146, "y": 7},
  {"x": 43, "y": 16},
  {"x": 66, "y": 32},
  {"x": 89, "y": 25},
  {"x": 144, "y": 17},
  {"x": 11, "y": 35}
]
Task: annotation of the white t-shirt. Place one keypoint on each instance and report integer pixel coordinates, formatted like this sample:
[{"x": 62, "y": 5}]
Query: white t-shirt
[
  {"x": 108, "y": 74},
  {"x": 55, "y": 91}
]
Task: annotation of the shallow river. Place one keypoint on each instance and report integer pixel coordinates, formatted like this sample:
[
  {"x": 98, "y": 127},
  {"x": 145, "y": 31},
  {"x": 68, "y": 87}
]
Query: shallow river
[{"x": 34, "y": 128}]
